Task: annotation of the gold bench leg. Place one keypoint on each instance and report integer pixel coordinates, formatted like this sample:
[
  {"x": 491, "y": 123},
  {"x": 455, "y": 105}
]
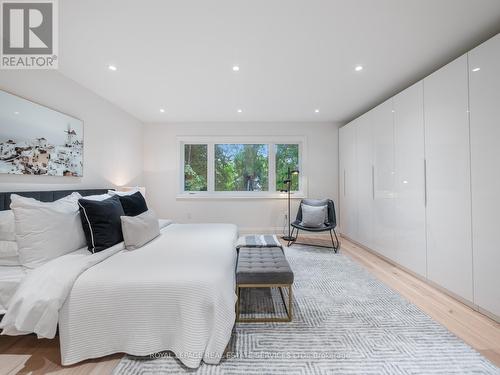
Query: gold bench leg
[
  {"x": 238, "y": 303},
  {"x": 288, "y": 308},
  {"x": 290, "y": 303}
]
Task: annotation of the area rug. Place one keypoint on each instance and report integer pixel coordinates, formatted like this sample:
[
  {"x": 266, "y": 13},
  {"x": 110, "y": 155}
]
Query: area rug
[{"x": 345, "y": 322}]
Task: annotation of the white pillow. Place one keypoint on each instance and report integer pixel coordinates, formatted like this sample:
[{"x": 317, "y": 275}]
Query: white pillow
[
  {"x": 9, "y": 255},
  {"x": 139, "y": 230},
  {"x": 123, "y": 193},
  {"x": 7, "y": 227},
  {"x": 97, "y": 197},
  {"x": 46, "y": 230}
]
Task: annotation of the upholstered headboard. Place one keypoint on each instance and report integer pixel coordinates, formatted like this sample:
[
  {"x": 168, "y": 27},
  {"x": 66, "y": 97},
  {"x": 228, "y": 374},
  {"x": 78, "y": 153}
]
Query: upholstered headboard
[{"x": 45, "y": 196}]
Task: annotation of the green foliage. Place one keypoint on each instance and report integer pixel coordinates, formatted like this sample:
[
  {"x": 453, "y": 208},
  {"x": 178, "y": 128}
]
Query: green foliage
[
  {"x": 287, "y": 155},
  {"x": 241, "y": 167},
  {"x": 195, "y": 167}
]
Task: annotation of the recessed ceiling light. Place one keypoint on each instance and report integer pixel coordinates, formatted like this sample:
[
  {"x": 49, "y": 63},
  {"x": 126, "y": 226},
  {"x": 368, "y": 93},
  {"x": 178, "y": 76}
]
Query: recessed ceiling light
[
  {"x": 236, "y": 68},
  {"x": 358, "y": 68},
  {"x": 112, "y": 67},
  {"x": 162, "y": 110},
  {"x": 316, "y": 111},
  {"x": 16, "y": 113},
  {"x": 476, "y": 69},
  {"x": 239, "y": 110}
]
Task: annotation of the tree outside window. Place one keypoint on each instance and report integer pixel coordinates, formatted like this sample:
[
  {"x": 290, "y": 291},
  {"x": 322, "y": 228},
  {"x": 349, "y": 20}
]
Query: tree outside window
[
  {"x": 241, "y": 167},
  {"x": 287, "y": 156},
  {"x": 195, "y": 167}
]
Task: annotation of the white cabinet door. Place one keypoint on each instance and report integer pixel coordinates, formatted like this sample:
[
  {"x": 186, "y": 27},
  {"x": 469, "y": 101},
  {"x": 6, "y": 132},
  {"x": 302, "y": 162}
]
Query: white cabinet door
[
  {"x": 348, "y": 209},
  {"x": 449, "y": 238},
  {"x": 485, "y": 156},
  {"x": 382, "y": 120},
  {"x": 364, "y": 162},
  {"x": 409, "y": 213}
]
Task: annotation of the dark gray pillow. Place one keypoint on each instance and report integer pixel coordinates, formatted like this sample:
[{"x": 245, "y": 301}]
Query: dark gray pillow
[
  {"x": 133, "y": 204},
  {"x": 101, "y": 222},
  {"x": 313, "y": 216},
  {"x": 139, "y": 230}
]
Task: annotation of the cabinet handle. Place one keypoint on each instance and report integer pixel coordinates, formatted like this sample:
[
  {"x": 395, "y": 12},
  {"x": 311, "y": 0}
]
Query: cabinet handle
[
  {"x": 344, "y": 182},
  {"x": 425, "y": 182},
  {"x": 373, "y": 182}
]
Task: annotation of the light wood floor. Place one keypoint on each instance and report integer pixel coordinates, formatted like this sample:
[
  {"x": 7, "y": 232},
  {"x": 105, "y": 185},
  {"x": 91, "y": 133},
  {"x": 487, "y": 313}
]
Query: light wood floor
[{"x": 27, "y": 355}]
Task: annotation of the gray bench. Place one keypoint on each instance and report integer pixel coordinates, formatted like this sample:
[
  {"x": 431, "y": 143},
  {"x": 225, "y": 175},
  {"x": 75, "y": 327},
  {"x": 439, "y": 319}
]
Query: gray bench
[{"x": 264, "y": 267}]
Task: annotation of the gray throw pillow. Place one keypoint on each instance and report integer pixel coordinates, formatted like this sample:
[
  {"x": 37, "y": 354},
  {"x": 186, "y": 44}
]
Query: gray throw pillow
[
  {"x": 139, "y": 230},
  {"x": 313, "y": 216}
]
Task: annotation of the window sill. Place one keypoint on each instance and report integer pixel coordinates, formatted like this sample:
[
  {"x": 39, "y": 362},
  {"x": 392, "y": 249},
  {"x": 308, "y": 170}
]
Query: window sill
[{"x": 242, "y": 195}]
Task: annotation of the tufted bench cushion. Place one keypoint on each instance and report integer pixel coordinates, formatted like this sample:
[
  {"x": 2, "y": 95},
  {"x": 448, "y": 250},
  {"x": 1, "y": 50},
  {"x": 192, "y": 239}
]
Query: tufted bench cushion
[{"x": 264, "y": 265}]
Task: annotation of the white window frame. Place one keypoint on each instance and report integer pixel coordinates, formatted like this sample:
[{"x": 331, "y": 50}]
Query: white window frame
[{"x": 271, "y": 141}]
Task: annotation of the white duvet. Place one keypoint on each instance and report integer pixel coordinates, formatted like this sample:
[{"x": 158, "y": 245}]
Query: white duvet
[{"x": 176, "y": 293}]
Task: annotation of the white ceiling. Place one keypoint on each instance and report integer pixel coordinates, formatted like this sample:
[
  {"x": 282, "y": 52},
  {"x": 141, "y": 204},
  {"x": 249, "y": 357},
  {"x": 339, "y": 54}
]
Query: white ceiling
[{"x": 294, "y": 56}]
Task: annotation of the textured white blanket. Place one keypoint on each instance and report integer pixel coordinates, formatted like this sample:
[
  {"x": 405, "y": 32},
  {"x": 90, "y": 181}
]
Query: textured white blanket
[
  {"x": 176, "y": 293},
  {"x": 35, "y": 305}
]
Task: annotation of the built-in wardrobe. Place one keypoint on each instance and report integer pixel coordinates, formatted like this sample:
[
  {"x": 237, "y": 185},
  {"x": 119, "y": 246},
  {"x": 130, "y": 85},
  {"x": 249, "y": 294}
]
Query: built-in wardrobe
[{"x": 420, "y": 178}]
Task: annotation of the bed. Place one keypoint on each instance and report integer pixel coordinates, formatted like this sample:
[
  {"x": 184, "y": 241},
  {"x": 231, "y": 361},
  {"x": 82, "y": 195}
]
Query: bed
[
  {"x": 11, "y": 276},
  {"x": 176, "y": 293},
  {"x": 10, "y": 279}
]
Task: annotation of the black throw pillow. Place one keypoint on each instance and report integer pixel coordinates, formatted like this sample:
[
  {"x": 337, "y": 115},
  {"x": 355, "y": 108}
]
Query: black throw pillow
[
  {"x": 133, "y": 204},
  {"x": 101, "y": 222}
]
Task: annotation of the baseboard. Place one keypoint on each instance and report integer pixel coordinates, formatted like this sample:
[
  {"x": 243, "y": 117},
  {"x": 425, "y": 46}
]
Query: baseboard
[
  {"x": 274, "y": 230},
  {"x": 442, "y": 289},
  {"x": 263, "y": 230},
  {"x": 489, "y": 314},
  {"x": 388, "y": 260}
]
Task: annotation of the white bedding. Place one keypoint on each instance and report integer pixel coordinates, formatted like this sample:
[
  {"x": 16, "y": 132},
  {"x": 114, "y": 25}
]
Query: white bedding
[
  {"x": 10, "y": 279},
  {"x": 176, "y": 293},
  {"x": 35, "y": 305}
]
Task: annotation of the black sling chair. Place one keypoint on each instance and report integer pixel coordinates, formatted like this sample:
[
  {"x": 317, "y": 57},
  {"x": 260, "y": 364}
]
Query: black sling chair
[{"x": 328, "y": 226}]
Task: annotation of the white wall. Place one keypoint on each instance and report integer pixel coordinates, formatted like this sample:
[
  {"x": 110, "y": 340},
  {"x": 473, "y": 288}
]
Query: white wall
[
  {"x": 113, "y": 153},
  {"x": 119, "y": 150},
  {"x": 252, "y": 215}
]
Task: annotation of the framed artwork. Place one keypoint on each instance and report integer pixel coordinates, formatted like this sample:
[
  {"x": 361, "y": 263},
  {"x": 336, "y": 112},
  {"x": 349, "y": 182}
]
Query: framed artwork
[{"x": 36, "y": 140}]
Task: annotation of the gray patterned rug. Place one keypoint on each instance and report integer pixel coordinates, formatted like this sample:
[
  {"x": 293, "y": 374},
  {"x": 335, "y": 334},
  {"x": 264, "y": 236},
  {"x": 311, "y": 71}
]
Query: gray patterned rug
[{"x": 345, "y": 322}]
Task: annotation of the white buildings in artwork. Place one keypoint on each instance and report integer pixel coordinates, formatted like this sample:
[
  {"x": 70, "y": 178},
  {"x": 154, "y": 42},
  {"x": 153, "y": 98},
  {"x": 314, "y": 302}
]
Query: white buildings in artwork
[
  {"x": 39, "y": 157},
  {"x": 36, "y": 140}
]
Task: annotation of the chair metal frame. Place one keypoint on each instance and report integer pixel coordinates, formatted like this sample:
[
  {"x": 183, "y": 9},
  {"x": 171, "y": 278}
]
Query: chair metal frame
[
  {"x": 335, "y": 244},
  {"x": 330, "y": 228}
]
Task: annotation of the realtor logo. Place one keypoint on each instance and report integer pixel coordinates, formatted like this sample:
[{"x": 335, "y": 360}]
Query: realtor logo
[{"x": 29, "y": 34}]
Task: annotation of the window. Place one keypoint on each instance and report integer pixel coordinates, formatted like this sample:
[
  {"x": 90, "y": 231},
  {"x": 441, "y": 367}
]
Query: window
[
  {"x": 230, "y": 166},
  {"x": 195, "y": 167},
  {"x": 241, "y": 167},
  {"x": 287, "y": 157}
]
